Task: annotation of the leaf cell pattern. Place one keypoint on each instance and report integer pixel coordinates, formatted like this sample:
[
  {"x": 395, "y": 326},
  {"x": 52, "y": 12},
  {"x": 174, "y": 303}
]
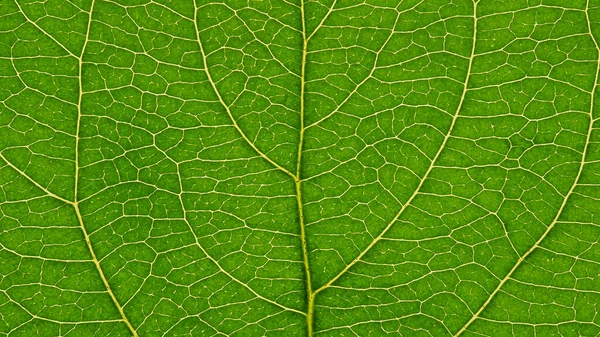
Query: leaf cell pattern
[{"x": 299, "y": 168}]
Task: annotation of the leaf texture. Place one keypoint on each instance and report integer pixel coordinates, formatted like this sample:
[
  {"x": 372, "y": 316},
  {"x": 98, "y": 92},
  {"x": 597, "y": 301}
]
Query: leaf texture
[{"x": 299, "y": 168}]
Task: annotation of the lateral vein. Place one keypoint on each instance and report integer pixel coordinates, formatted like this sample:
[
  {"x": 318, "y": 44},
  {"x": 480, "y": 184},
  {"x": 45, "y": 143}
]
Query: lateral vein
[
  {"x": 431, "y": 166},
  {"x": 76, "y": 201},
  {"x": 227, "y": 109},
  {"x": 197, "y": 243},
  {"x": 565, "y": 200},
  {"x": 23, "y": 174}
]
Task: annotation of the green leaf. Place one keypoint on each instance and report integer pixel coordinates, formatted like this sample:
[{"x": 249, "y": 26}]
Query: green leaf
[{"x": 336, "y": 168}]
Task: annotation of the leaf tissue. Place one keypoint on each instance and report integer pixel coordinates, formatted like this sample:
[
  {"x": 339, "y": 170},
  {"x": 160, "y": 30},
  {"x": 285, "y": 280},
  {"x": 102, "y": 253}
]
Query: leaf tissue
[{"x": 299, "y": 168}]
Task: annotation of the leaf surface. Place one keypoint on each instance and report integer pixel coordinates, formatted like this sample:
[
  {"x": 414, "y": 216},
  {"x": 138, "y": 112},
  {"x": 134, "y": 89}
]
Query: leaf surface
[{"x": 299, "y": 168}]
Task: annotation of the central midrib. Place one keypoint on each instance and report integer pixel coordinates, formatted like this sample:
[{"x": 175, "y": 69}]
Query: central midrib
[{"x": 298, "y": 182}]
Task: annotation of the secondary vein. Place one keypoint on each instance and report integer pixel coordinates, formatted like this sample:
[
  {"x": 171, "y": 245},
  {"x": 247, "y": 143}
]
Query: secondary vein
[
  {"x": 565, "y": 200},
  {"x": 258, "y": 151},
  {"x": 228, "y": 110},
  {"x": 433, "y": 161},
  {"x": 23, "y": 174},
  {"x": 76, "y": 200}
]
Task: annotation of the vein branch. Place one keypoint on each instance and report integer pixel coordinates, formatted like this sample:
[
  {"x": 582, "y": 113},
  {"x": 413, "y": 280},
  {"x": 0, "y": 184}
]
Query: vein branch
[
  {"x": 565, "y": 200},
  {"x": 431, "y": 166},
  {"x": 34, "y": 182},
  {"x": 76, "y": 202},
  {"x": 62, "y": 46},
  {"x": 370, "y": 75},
  {"x": 306, "y": 39},
  {"x": 197, "y": 242},
  {"x": 221, "y": 269},
  {"x": 228, "y": 109}
]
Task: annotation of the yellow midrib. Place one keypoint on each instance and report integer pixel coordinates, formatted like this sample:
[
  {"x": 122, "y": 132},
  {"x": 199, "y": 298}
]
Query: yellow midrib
[{"x": 298, "y": 181}]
